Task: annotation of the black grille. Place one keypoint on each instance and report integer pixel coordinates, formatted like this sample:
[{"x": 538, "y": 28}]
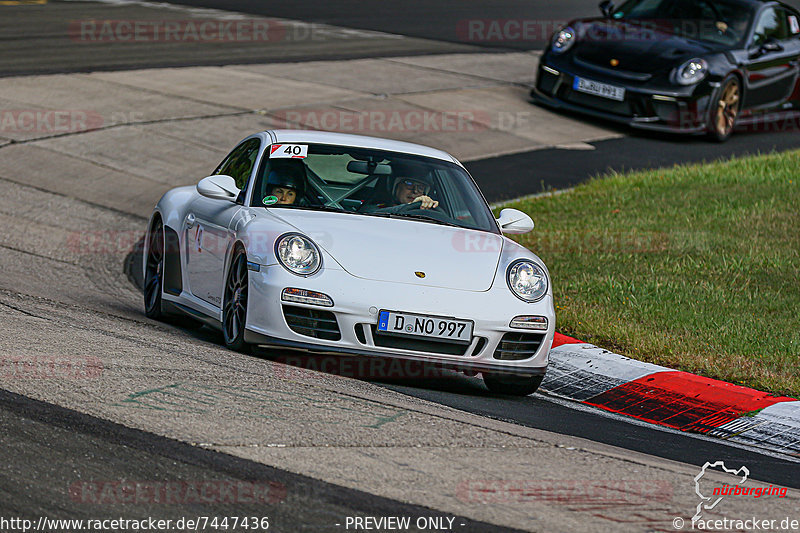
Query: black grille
[
  {"x": 547, "y": 81},
  {"x": 359, "y": 329},
  {"x": 517, "y": 346},
  {"x": 417, "y": 345},
  {"x": 312, "y": 322}
]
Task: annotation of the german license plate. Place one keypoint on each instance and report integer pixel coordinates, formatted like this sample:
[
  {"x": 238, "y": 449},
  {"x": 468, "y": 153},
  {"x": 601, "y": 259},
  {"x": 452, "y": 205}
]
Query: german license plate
[
  {"x": 599, "y": 89},
  {"x": 429, "y": 327}
]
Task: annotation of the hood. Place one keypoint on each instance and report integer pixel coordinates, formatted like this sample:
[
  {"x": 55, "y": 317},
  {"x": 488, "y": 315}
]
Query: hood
[
  {"x": 638, "y": 48},
  {"x": 388, "y": 249}
]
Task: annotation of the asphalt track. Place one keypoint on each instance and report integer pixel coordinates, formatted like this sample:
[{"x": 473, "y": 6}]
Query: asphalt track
[
  {"x": 532, "y": 172},
  {"x": 436, "y": 20},
  {"x": 548, "y": 413},
  {"x": 47, "y": 448},
  {"x": 44, "y": 440}
]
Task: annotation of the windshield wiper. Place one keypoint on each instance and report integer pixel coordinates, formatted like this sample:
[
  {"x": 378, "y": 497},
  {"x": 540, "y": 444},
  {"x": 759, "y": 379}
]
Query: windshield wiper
[{"x": 426, "y": 218}]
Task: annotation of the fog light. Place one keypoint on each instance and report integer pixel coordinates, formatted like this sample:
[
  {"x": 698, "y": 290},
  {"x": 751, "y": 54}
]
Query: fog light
[
  {"x": 304, "y": 296},
  {"x": 529, "y": 322},
  {"x": 552, "y": 71}
]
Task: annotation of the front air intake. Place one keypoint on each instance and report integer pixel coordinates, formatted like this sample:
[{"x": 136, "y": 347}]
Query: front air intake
[
  {"x": 312, "y": 322},
  {"x": 518, "y": 346}
]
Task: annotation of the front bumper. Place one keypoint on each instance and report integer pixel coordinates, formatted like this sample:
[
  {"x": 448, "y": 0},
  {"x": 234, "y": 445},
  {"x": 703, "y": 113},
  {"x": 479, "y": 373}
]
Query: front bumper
[
  {"x": 646, "y": 106},
  {"x": 356, "y": 306}
]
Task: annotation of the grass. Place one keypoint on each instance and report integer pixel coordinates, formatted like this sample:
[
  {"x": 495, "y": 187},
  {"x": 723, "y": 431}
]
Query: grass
[{"x": 693, "y": 267}]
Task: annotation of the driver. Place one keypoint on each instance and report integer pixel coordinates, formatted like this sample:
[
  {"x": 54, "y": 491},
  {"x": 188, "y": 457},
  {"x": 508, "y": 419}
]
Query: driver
[
  {"x": 411, "y": 184},
  {"x": 406, "y": 185},
  {"x": 285, "y": 186},
  {"x": 407, "y": 190}
]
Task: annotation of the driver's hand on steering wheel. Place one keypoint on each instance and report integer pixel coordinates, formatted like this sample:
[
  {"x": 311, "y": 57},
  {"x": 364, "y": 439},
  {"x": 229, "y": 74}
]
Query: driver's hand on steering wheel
[{"x": 427, "y": 202}]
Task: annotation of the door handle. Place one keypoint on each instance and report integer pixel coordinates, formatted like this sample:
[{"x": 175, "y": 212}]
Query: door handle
[{"x": 190, "y": 220}]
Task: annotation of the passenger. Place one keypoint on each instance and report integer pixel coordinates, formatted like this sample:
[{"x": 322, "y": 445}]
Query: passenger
[{"x": 285, "y": 186}]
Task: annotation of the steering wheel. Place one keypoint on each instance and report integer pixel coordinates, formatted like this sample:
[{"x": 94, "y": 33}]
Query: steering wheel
[{"x": 436, "y": 213}]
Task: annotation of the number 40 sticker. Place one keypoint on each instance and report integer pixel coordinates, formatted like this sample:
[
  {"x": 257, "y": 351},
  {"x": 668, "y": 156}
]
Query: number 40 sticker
[{"x": 288, "y": 151}]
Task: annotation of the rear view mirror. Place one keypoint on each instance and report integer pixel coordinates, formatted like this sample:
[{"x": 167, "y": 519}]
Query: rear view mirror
[
  {"x": 218, "y": 187},
  {"x": 514, "y": 221},
  {"x": 368, "y": 167}
]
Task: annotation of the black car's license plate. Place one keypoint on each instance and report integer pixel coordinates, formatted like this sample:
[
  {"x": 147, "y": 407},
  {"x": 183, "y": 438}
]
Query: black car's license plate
[
  {"x": 431, "y": 327},
  {"x": 599, "y": 89}
]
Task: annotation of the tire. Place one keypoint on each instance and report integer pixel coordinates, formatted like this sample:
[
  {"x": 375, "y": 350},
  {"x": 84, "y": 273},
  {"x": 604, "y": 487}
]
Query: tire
[
  {"x": 511, "y": 385},
  {"x": 154, "y": 283},
  {"x": 234, "y": 306},
  {"x": 154, "y": 273},
  {"x": 725, "y": 110}
]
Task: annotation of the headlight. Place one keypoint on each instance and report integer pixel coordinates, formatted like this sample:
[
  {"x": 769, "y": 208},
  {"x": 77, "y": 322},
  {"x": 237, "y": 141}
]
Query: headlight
[
  {"x": 563, "y": 40},
  {"x": 691, "y": 72},
  {"x": 527, "y": 280},
  {"x": 298, "y": 254}
]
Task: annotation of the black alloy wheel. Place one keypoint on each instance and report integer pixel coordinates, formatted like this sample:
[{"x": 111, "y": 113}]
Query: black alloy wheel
[
  {"x": 154, "y": 272},
  {"x": 234, "y": 308}
]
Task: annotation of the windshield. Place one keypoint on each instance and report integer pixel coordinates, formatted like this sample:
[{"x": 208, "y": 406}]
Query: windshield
[
  {"x": 370, "y": 182},
  {"x": 716, "y": 21}
]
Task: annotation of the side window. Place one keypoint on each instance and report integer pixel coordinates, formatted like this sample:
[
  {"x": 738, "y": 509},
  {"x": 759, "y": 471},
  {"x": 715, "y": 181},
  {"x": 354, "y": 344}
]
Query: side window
[
  {"x": 793, "y": 23},
  {"x": 239, "y": 163},
  {"x": 771, "y": 25}
]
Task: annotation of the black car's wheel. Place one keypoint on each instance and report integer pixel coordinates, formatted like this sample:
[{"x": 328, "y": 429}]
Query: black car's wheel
[
  {"x": 154, "y": 273},
  {"x": 512, "y": 385},
  {"x": 234, "y": 307},
  {"x": 725, "y": 110}
]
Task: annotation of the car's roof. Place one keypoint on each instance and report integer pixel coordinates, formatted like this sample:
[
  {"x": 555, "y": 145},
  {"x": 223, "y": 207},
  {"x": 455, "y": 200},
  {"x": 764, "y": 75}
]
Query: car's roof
[{"x": 358, "y": 141}]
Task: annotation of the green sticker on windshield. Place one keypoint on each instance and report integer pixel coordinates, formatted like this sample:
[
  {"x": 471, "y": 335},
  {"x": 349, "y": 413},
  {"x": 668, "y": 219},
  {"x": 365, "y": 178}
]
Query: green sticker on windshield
[{"x": 269, "y": 200}]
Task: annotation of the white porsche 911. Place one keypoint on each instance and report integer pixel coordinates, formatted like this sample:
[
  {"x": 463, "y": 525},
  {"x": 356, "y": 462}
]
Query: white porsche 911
[{"x": 336, "y": 243}]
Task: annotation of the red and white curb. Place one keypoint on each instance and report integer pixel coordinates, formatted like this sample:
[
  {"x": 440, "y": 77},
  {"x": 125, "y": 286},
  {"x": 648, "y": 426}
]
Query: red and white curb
[{"x": 583, "y": 372}]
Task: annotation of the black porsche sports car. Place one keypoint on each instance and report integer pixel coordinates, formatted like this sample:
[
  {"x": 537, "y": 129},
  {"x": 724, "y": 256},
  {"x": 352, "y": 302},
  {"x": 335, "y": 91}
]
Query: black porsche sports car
[{"x": 688, "y": 66}]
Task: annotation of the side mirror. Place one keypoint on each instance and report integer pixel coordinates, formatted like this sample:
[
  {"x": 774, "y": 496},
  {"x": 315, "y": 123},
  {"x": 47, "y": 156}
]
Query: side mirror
[
  {"x": 771, "y": 46},
  {"x": 219, "y": 187},
  {"x": 607, "y": 7},
  {"x": 768, "y": 46},
  {"x": 514, "y": 221}
]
